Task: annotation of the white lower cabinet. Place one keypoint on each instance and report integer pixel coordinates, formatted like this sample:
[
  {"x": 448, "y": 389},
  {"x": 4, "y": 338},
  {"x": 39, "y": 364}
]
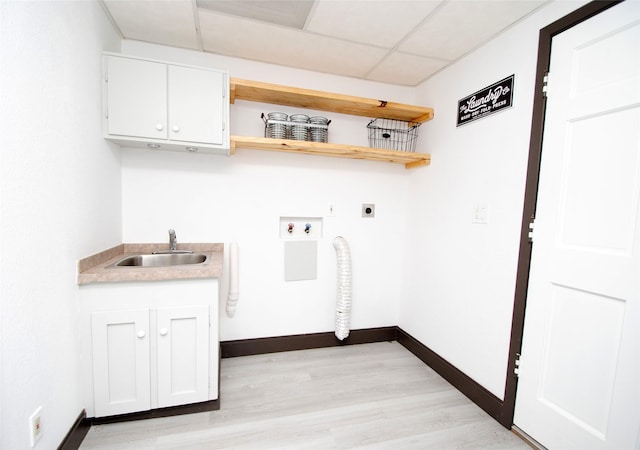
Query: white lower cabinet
[
  {"x": 121, "y": 361},
  {"x": 149, "y": 345},
  {"x": 124, "y": 348},
  {"x": 183, "y": 355}
]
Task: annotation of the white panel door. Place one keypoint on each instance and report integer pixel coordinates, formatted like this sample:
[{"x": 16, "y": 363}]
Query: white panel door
[
  {"x": 121, "y": 369},
  {"x": 136, "y": 98},
  {"x": 183, "y": 355},
  {"x": 195, "y": 105},
  {"x": 579, "y": 385}
]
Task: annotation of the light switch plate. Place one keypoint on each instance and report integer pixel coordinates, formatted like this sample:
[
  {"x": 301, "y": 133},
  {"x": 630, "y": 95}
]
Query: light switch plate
[{"x": 480, "y": 214}]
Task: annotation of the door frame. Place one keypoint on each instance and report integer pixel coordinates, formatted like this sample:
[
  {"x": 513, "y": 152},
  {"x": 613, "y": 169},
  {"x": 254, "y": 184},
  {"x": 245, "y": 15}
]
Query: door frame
[{"x": 531, "y": 192}]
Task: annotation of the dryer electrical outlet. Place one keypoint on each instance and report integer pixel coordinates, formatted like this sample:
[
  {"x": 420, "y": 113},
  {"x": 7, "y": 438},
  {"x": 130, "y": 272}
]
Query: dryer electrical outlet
[{"x": 368, "y": 210}]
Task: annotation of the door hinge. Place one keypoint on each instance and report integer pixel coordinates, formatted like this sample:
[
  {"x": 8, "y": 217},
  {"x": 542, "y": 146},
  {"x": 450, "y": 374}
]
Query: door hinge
[
  {"x": 545, "y": 85},
  {"x": 532, "y": 224},
  {"x": 516, "y": 368}
]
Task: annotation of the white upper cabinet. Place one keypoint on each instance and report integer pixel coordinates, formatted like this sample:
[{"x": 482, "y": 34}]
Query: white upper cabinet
[
  {"x": 165, "y": 106},
  {"x": 136, "y": 98},
  {"x": 194, "y": 115}
]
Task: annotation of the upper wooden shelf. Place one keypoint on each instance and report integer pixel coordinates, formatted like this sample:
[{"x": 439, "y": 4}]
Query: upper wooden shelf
[{"x": 325, "y": 101}]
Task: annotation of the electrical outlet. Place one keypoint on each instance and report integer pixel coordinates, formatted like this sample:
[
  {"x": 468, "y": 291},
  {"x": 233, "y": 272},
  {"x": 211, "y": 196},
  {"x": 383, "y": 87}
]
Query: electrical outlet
[
  {"x": 35, "y": 426},
  {"x": 368, "y": 210}
]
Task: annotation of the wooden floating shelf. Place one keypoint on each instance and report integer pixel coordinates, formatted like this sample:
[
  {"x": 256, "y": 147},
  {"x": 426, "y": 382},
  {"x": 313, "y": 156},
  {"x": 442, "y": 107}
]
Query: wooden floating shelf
[
  {"x": 409, "y": 159},
  {"x": 257, "y": 91}
]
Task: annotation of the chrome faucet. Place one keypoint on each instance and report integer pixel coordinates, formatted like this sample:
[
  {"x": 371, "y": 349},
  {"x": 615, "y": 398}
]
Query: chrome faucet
[
  {"x": 172, "y": 239},
  {"x": 173, "y": 243}
]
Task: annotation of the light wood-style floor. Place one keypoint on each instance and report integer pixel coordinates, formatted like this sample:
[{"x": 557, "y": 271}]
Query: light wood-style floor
[{"x": 376, "y": 396}]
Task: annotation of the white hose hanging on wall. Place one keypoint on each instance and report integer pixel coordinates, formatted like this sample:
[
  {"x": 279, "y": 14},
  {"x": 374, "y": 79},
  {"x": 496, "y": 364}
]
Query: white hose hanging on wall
[
  {"x": 232, "y": 299},
  {"x": 343, "y": 303}
]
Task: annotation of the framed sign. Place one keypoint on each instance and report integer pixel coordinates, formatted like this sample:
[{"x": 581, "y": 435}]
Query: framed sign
[{"x": 486, "y": 101}]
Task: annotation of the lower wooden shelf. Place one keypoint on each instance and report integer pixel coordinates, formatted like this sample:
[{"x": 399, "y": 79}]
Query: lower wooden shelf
[{"x": 409, "y": 159}]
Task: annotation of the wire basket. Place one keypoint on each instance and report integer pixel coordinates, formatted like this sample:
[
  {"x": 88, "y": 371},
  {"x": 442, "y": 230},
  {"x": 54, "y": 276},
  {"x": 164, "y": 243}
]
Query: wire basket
[
  {"x": 276, "y": 126},
  {"x": 299, "y": 130},
  {"x": 392, "y": 134},
  {"x": 298, "y": 127}
]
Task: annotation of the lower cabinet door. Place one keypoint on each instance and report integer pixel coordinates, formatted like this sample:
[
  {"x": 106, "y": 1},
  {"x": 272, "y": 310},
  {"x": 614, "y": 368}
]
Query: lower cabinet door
[
  {"x": 183, "y": 355},
  {"x": 121, "y": 367}
]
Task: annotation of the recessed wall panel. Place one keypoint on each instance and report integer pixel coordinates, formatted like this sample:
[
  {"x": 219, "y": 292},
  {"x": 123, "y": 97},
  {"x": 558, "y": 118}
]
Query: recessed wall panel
[
  {"x": 590, "y": 73},
  {"x": 601, "y": 177},
  {"x": 581, "y": 356}
]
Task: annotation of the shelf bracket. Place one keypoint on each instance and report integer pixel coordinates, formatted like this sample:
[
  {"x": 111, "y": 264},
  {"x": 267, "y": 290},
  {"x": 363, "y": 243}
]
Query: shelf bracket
[
  {"x": 232, "y": 93},
  {"x": 420, "y": 163}
]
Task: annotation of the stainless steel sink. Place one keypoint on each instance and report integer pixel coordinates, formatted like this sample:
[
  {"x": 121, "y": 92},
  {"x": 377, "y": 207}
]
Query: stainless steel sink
[{"x": 161, "y": 259}]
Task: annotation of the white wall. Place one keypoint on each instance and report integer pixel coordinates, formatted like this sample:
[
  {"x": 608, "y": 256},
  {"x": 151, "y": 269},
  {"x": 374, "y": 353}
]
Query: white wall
[
  {"x": 419, "y": 264},
  {"x": 241, "y": 198},
  {"x": 60, "y": 201},
  {"x": 461, "y": 276}
]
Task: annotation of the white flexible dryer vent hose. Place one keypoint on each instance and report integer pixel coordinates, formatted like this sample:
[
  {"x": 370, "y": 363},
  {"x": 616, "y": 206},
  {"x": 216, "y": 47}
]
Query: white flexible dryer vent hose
[
  {"x": 232, "y": 299},
  {"x": 343, "y": 303}
]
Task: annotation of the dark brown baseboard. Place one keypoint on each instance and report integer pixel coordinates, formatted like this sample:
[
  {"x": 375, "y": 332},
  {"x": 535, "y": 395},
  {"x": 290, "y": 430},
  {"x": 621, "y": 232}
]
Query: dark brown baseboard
[
  {"x": 259, "y": 346},
  {"x": 211, "y": 405},
  {"x": 491, "y": 404},
  {"x": 76, "y": 434}
]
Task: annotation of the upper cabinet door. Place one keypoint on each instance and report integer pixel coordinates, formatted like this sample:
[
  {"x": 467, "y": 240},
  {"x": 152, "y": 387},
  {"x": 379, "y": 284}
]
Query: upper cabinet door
[
  {"x": 196, "y": 112},
  {"x": 137, "y": 98}
]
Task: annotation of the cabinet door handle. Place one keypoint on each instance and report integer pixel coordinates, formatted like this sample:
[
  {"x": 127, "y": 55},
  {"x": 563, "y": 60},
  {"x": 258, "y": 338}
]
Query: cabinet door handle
[
  {"x": 141, "y": 334},
  {"x": 159, "y": 126},
  {"x": 163, "y": 331},
  {"x": 175, "y": 128}
]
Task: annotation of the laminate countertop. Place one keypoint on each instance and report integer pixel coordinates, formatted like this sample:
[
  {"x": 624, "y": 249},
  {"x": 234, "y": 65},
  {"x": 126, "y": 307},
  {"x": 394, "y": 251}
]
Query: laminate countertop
[{"x": 95, "y": 268}]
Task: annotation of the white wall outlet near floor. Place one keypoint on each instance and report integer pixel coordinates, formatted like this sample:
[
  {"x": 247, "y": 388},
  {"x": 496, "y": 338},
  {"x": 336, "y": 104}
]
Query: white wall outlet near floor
[{"x": 35, "y": 426}]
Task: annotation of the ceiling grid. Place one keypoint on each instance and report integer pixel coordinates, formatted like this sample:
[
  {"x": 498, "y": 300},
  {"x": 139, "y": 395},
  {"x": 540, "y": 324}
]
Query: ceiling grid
[{"x": 400, "y": 42}]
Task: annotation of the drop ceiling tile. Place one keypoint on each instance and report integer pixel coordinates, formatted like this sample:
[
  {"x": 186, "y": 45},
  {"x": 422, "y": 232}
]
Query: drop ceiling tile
[
  {"x": 168, "y": 22},
  {"x": 463, "y": 25},
  {"x": 282, "y": 12},
  {"x": 402, "y": 68},
  {"x": 260, "y": 41},
  {"x": 372, "y": 22}
]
